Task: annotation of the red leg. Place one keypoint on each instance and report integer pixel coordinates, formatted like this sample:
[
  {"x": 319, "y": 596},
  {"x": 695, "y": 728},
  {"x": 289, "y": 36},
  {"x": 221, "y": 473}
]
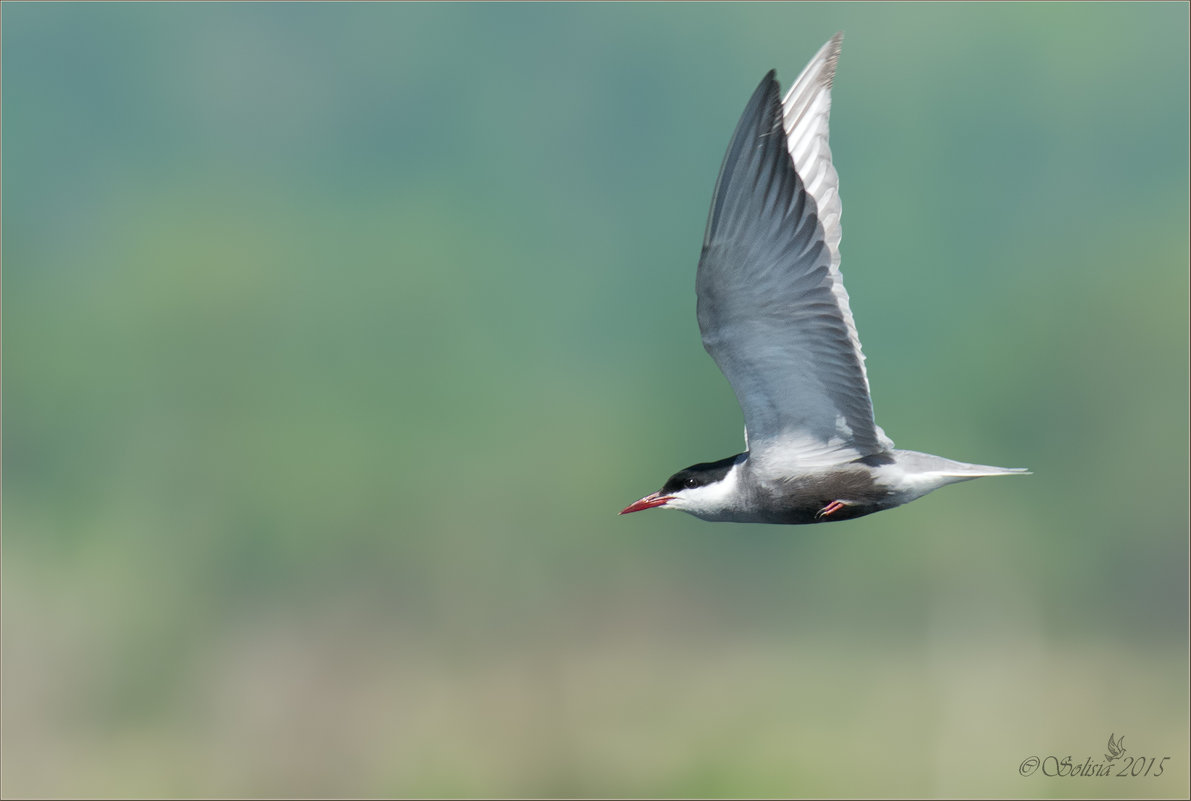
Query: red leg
[{"x": 829, "y": 509}]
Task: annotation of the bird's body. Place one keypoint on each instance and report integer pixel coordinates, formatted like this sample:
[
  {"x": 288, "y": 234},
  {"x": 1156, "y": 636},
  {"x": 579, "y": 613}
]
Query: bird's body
[
  {"x": 775, "y": 317},
  {"x": 738, "y": 490}
]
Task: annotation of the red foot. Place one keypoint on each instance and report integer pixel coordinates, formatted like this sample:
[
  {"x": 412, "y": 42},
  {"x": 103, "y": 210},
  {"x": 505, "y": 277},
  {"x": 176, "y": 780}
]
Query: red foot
[{"x": 829, "y": 509}]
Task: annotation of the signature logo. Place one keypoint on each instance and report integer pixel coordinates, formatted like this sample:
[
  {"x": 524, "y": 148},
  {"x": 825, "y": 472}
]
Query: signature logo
[
  {"x": 1128, "y": 766},
  {"x": 1115, "y": 747}
]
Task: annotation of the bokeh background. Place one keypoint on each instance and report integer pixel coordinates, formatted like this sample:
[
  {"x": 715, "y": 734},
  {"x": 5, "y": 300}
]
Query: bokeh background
[{"x": 335, "y": 337}]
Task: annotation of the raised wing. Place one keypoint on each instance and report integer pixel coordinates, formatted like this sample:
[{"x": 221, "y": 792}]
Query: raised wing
[{"x": 772, "y": 306}]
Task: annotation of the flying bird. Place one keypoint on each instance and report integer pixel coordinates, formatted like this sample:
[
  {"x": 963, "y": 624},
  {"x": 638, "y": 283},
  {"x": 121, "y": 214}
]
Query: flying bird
[{"x": 774, "y": 315}]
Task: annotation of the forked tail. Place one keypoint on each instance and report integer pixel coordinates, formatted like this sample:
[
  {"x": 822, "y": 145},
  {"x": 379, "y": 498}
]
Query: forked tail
[
  {"x": 929, "y": 463},
  {"x": 978, "y": 470}
]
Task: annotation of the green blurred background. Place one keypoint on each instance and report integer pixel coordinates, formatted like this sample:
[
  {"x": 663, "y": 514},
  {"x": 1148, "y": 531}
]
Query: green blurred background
[{"x": 336, "y": 335}]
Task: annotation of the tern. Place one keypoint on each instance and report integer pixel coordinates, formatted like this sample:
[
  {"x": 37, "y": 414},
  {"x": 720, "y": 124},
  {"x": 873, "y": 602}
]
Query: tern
[{"x": 774, "y": 315}]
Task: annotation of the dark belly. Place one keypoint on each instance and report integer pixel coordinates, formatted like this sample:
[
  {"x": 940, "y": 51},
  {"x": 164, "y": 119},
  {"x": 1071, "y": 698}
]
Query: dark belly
[
  {"x": 802, "y": 515},
  {"x": 799, "y": 500}
]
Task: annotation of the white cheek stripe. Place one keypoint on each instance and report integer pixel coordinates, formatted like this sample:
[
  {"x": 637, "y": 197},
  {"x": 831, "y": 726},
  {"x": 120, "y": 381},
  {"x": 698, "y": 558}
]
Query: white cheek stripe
[{"x": 712, "y": 498}]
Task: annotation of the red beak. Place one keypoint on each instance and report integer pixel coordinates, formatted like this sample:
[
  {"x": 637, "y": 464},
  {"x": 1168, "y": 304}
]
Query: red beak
[{"x": 648, "y": 502}]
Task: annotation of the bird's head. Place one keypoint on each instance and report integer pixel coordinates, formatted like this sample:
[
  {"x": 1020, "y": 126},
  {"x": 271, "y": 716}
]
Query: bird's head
[{"x": 704, "y": 490}]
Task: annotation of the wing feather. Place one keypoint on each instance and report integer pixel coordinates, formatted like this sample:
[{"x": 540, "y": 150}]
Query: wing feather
[{"x": 772, "y": 306}]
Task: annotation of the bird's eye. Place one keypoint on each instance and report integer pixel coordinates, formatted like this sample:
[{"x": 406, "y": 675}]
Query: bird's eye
[{"x": 692, "y": 482}]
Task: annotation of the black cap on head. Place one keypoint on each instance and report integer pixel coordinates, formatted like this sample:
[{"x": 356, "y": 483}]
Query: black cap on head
[{"x": 699, "y": 475}]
